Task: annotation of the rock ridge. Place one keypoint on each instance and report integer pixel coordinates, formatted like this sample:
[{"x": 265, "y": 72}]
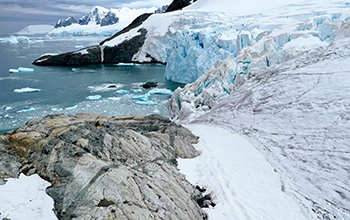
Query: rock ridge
[{"x": 104, "y": 167}]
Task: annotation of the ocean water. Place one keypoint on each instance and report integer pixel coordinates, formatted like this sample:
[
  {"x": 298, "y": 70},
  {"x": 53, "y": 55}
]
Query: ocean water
[{"x": 105, "y": 89}]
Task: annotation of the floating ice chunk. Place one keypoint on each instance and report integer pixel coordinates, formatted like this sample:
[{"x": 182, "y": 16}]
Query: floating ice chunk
[
  {"x": 56, "y": 109},
  {"x": 21, "y": 70},
  {"x": 93, "y": 97},
  {"x": 121, "y": 92},
  {"x": 160, "y": 92},
  {"x": 144, "y": 97},
  {"x": 137, "y": 90},
  {"x": 7, "y": 108},
  {"x": 27, "y": 110},
  {"x": 114, "y": 98},
  {"x": 25, "y": 70},
  {"x": 13, "y": 70},
  {"x": 9, "y": 40},
  {"x": 128, "y": 64},
  {"x": 105, "y": 87},
  {"x": 79, "y": 47},
  {"x": 71, "y": 108},
  {"x": 146, "y": 103},
  {"x": 26, "y": 90}
]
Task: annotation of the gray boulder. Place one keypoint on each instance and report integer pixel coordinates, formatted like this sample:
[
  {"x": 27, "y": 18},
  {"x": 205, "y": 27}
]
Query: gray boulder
[{"x": 104, "y": 167}]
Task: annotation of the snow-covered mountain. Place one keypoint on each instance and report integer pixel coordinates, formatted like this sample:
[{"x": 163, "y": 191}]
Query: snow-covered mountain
[{"x": 99, "y": 21}]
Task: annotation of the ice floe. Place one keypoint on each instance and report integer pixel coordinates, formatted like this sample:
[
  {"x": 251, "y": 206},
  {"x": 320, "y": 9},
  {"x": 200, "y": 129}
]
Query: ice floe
[
  {"x": 22, "y": 70},
  {"x": 32, "y": 109},
  {"x": 94, "y": 97},
  {"x": 121, "y": 92},
  {"x": 146, "y": 103},
  {"x": 114, "y": 98},
  {"x": 26, "y": 90}
]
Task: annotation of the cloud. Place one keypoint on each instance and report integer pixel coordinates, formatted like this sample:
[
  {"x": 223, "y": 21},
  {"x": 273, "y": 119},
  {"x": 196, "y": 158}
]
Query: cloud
[{"x": 146, "y": 4}]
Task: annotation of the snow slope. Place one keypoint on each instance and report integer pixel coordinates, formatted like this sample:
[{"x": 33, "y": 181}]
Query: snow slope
[
  {"x": 243, "y": 184},
  {"x": 295, "y": 113},
  {"x": 25, "y": 198}
]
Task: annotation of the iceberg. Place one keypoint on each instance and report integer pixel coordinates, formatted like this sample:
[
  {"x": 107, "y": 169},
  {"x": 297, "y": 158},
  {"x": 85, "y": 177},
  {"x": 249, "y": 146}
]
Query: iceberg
[
  {"x": 22, "y": 70},
  {"x": 114, "y": 98},
  {"x": 121, "y": 92},
  {"x": 146, "y": 103},
  {"x": 94, "y": 97},
  {"x": 137, "y": 90},
  {"x": 158, "y": 91},
  {"x": 27, "y": 110},
  {"x": 144, "y": 97},
  {"x": 26, "y": 90},
  {"x": 71, "y": 108}
]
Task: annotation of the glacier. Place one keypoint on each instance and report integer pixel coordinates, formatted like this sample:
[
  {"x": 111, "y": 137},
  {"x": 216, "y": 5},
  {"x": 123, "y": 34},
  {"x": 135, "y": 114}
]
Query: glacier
[
  {"x": 286, "y": 91},
  {"x": 190, "y": 41}
]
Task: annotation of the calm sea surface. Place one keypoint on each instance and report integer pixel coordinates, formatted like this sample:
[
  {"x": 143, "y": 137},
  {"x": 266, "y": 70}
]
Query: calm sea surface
[{"x": 106, "y": 89}]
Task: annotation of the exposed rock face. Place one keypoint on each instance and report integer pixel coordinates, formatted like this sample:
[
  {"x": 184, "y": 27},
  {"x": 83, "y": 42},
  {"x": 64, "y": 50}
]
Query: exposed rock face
[
  {"x": 87, "y": 56},
  {"x": 104, "y": 167},
  {"x": 179, "y": 4},
  {"x": 109, "y": 19},
  {"x": 66, "y": 22}
]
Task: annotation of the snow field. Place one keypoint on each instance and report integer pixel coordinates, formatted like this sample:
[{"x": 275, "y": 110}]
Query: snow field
[
  {"x": 240, "y": 180},
  {"x": 26, "y": 198}
]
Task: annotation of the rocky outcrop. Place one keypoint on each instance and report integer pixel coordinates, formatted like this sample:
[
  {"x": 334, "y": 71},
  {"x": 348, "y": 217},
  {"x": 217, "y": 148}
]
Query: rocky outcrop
[
  {"x": 66, "y": 22},
  {"x": 179, "y": 4},
  {"x": 86, "y": 56},
  {"x": 104, "y": 167}
]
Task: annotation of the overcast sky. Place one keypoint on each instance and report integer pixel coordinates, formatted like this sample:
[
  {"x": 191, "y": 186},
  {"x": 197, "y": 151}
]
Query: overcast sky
[{"x": 17, "y": 14}]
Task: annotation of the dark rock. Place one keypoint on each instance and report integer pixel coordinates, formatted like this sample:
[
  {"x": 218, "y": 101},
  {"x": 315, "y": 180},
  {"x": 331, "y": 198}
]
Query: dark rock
[
  {"x": 129, "y": 167},
  {"x": 135, "y": 23},
  {"x": 161, "y": 9},
  {"x": 178, "y": 5},
  {"x": 66, "y": 22},
  {"x": 87, "y": 56},
  {"x": 123, "y": 53},
  {"x": 149, "y": 85},
  {"x": 105, "y": 203},
  {"x": 109, "y": 19}
]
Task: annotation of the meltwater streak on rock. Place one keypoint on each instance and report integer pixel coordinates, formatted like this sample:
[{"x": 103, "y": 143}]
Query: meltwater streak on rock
[{"x": 106, "y": 167}]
